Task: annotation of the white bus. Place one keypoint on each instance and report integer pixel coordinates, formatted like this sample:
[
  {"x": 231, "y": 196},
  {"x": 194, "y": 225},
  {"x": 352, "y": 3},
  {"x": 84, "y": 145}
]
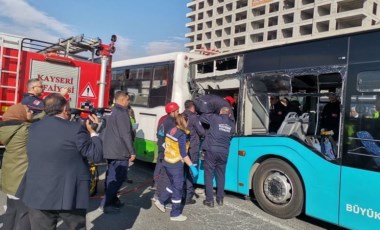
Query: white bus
[{"x": 152, "y": 82}]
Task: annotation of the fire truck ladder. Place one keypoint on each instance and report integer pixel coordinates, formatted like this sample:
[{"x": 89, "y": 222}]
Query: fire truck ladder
[
  {"x": 69, "y": 47},
  {"x": 6, "y": 59}
]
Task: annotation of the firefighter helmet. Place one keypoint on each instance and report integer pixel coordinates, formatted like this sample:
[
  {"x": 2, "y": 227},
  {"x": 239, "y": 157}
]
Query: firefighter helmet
[{"x": 171, "y": 107}]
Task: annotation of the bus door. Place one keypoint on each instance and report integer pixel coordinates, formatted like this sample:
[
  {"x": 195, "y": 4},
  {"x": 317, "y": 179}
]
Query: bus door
[{"x": 360, "y": 174}]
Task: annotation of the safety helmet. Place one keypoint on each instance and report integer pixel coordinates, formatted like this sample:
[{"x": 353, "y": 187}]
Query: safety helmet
[
  {"x": 230, "y": 100},
  {"x": 171, "y": 107}
]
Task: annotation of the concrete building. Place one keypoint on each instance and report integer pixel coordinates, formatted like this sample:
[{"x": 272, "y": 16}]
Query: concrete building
[{"x": 228, "y": 25}]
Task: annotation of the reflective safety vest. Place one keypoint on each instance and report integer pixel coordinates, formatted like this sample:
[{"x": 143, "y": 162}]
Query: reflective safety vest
[
  {"x": 172, "y": 152},
  {"x": 376, "y": 115}
]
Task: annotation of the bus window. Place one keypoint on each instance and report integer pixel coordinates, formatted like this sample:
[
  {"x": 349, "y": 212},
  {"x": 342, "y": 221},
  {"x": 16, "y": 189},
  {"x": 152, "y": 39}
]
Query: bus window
[
  {"x": 133, "y": 74},
  {"x": 270, "y": 84},
  {"x": 117, "y": 74},
  {"x": 158, "y": 92},
  {"x": 361, "y": 129},
  {"x": 146, "y": 73},
  {"x": 206, "y": 67},
  {"x": 368, "y": 81},
  {"x": 226, "y": 63},
  {"x": 160, "y": 76}
]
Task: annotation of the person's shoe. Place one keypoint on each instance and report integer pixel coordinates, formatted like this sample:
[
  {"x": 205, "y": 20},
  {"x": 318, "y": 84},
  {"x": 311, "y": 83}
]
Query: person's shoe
[
  {"x": 129, "y": 181},
  {"x": 219, "y": 202},
  {"x": 153, "y": 187},
  {"x": 168, "y": 206},
  {"x": 100, "y": 209},
  {"x": 178, "y": 218},
  {"x": 118, "y": 203},
  {"x": 111, "y": 209},
  {"x": 154, "y": 198},
  {"x": 160, "y": 206},
  {"x": 208, "y": 203},
  {"x": 192, "y": 201}
]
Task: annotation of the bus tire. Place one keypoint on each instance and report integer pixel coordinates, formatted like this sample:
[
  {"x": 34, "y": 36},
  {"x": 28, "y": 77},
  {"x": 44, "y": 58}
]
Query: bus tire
[{"x": 278, "y": 189}]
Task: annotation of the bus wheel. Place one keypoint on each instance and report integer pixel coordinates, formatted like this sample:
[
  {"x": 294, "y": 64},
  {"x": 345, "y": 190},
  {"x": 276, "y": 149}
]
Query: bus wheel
[{"x": 278, "y": 189}]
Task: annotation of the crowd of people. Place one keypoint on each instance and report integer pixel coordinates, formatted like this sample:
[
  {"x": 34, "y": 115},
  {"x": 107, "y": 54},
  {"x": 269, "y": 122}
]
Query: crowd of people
[
  {"x": 59, "y": 168},
  {"x": 48, "y": 153},
  {"x": 45, "y": 152},
  {"x": 179, "y": 140},
  {"x": 330, "y": 115}
]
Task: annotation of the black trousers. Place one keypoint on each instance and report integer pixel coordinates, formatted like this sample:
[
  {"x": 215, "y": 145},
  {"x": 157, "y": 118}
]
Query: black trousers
[
  {"x": 48, "y": 219},
  {"x": 16, "y": 216},
  {"x": 189, "y": 184}
]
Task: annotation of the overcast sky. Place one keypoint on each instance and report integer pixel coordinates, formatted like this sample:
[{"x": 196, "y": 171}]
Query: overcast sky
[{"x": 143, "y": 27}]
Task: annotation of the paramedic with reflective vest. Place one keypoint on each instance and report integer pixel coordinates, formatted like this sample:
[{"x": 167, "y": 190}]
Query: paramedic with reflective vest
[
  {"x": 216, "y": 145},
  {"x": 165, "y": 124},
  {"x": 176, "y": 146}
]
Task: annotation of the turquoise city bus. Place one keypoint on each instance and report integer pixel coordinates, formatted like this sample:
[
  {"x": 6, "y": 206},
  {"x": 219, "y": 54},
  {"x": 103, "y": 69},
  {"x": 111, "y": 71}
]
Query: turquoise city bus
[{"x": 290, "y": 172}]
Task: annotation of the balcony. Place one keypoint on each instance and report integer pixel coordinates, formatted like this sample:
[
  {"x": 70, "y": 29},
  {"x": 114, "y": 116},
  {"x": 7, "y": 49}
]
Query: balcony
[
  {"x": 241, "y": 16},
  {"x": 240, "y": 28},
  {"x": 349, "y": 22},
  {"x": 349, "y": 5},
  {"x": 258, "y": 24},
  {"x": 324, "y": 10},
  {"x": 306, "y": 29},
  {"x": 239, "y": 41},
  {"x": 272, "y": 35},
  {"x": 273, "y": 21},
  {"x": 307, "y": 14},
  {"x": 258, "y": 11},
  {"x": 287, "y": 33},
  {"x": 259, "y": 37},
  {"x": 323, "y": 26}
]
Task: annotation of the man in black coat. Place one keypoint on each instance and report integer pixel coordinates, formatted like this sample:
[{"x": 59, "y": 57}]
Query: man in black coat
[
  {"x": 118, "y": 150},
  {"x": 330, "y": 116},
  {"x": 56, "y": 183},
  {"x": 277, "y": 114}
]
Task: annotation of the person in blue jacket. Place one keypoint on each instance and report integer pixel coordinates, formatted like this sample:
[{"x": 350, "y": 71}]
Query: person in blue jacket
[
  {"x": 175, "y": 155},
  {"x": 216, "y": 145},
  {"x": 196, "y": 132}
]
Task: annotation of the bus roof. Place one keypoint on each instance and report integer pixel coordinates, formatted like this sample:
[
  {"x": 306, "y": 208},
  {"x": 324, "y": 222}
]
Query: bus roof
[{"x": 154, "y": 59}]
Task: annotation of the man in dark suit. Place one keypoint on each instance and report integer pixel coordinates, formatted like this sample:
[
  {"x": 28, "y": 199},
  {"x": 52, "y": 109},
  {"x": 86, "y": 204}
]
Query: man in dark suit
[
  {"x": 56, "y": 183},
  {"x": 118, "y": 150}
]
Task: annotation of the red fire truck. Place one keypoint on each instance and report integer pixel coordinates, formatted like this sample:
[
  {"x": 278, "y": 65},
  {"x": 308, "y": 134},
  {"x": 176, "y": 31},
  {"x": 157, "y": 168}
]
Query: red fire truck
[
  {"x": 81, "y": 64},
  {"x": 71, "y": 63}
]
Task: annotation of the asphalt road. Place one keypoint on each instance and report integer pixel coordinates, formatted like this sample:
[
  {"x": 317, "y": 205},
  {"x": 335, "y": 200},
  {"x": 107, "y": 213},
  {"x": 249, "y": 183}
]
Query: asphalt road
[{"x": 139, "y": 213}]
